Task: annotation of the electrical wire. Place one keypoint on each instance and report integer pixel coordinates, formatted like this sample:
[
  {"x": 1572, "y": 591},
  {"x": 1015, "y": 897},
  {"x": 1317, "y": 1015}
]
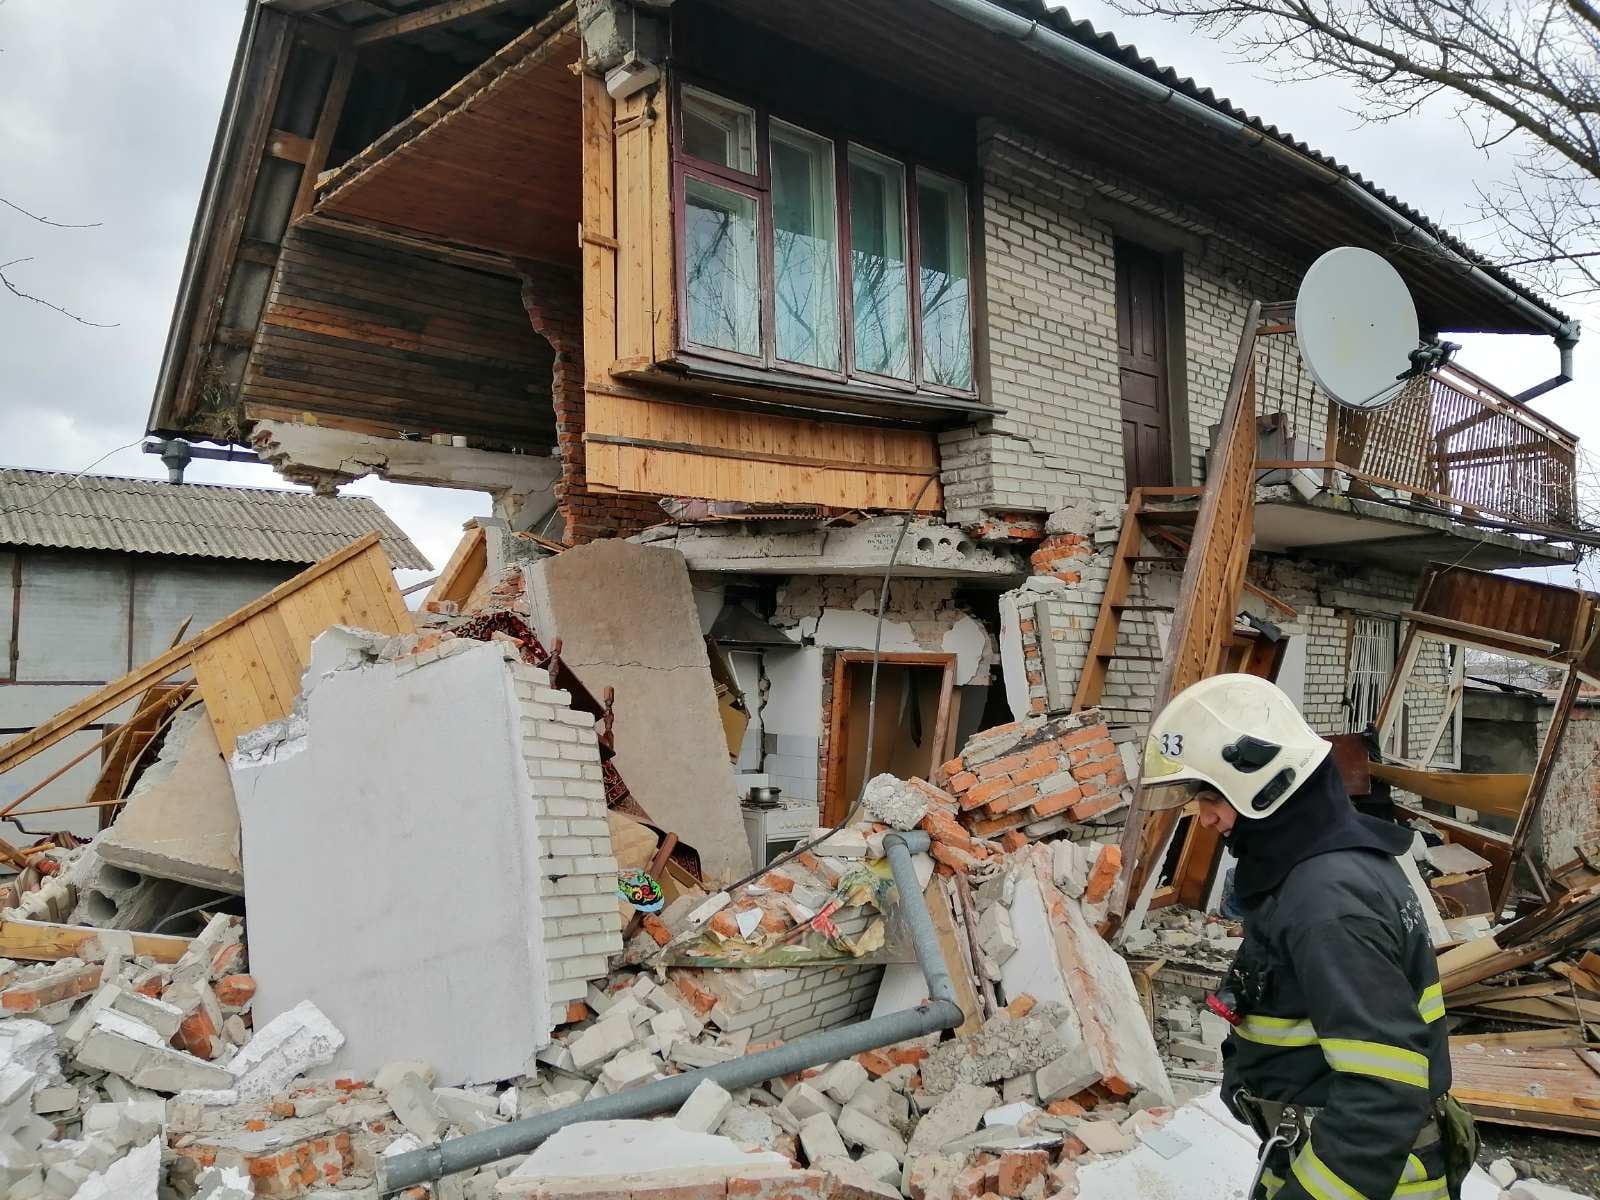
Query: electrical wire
[
  {"x": 872, "y": 707},
  {"x": 6, "y": 512}
]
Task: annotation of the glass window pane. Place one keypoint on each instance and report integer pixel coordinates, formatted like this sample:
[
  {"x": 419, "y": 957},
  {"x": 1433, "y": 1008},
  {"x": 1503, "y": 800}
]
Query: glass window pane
[
  {"x": 946, "y": 288},
  {"x": 719, "y": 130},
  {"x": 722, "y": 277},
  {"x": 878, "y": 277},
  {"x": 805, "y": 248}
]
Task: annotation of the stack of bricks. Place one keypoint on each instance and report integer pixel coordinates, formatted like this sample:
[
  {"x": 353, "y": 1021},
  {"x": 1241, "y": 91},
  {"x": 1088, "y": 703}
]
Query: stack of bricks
[
  {"x": 577, "y": 871},
  {"x": 1014, "y": 775}
]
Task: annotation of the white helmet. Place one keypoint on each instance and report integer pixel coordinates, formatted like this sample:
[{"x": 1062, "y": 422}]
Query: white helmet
[{"x": 1238, "y": 734}]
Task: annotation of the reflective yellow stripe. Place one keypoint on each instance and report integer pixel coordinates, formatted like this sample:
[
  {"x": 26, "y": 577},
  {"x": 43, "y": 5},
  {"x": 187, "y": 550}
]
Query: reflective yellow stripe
[
  {"x": 1415, "y": 1172},
  {"x": 1425, "y": 1189},
  {"x": 1430, "y": 1005},
  {"x": 1376, "y": 1059},
  {"x": 1277, "y": 1031},
  {"x": 1270, "y": 1184},
  {"x": 1318, "y": 1180}
]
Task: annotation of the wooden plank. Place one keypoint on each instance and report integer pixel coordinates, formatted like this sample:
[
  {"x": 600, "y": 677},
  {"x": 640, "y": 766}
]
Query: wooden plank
[
  {"x": 1501, "y": 795},
  {"x": 1541, "y": 646},
  {"x": 944, "y": 927},
  {"x": 1523, "y": 1039},
  {"x": 635, "y": 285},
  {"x": 428, "y": 18},
  {"x": 600, "y": 219},
  {"x": 1548, "y": 1088},
  {"x": 664, "y": 300},
  {"x": 468, "y": 561},
  {"x": 41, "y": 941}
]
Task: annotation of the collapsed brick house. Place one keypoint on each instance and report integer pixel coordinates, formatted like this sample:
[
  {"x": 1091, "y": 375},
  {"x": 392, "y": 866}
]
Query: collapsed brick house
[{"x": 800, "y": 270}]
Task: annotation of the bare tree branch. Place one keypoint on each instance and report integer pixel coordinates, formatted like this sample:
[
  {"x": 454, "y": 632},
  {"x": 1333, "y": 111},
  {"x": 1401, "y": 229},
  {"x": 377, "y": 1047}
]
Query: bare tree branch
[
  {"x": 1525, "y": 72},
  {"x": 22, "y": 295},
  {"x": 46, "y": 220}
]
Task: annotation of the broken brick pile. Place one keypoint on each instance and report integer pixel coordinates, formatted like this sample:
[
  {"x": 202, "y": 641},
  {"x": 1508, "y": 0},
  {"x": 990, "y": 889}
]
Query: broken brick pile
[{"x": 1038, "y": 775}]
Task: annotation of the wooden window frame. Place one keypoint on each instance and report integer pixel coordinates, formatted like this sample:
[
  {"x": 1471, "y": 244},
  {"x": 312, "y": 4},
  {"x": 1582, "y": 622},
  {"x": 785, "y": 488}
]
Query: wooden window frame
[{"x": 758, "y": 186}]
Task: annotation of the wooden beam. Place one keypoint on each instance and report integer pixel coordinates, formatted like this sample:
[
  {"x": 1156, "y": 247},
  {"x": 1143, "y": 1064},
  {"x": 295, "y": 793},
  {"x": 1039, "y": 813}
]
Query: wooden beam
[
  {"x": 119, "y": 691},
  {"x": 1539, "y": 646},
  {"x": 429, "y": 18},
  {"x": 344, "y": 69},
  {"x": 41, "y": 941},
  {"x": 290, "y": 147}
]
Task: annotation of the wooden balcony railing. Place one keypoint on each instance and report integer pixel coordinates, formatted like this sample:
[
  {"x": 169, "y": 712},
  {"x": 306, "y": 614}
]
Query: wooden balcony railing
[{"x": 1451, "y": 442}]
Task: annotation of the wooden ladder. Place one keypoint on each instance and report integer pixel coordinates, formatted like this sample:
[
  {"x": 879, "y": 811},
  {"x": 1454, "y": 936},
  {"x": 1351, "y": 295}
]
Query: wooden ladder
[{"x": 1141, "y": 521}]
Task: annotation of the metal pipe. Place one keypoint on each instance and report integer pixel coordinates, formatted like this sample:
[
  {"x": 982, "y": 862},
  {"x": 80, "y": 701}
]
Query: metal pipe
[
  {"x": 938, "y": 1012},
  {"x": 1057, "y": 46}
]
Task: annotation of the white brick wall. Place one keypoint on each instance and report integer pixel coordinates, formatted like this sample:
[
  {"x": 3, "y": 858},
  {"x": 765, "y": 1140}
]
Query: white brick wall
[
  {"x": 578, "y": 874},
  {"x": 1050, "y": 279}
]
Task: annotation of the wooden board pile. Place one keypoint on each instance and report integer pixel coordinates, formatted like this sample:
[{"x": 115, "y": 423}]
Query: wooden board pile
[{"x": 1526, "y": 1001}]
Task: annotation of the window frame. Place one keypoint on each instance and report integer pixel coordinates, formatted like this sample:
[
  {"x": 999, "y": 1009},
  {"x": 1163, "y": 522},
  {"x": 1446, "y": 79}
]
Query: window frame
[{"x": 758, "y": 186}]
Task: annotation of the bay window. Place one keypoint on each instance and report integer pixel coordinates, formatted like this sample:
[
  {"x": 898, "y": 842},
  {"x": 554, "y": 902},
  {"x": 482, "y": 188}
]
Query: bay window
[{"x": 810, "y": 254}]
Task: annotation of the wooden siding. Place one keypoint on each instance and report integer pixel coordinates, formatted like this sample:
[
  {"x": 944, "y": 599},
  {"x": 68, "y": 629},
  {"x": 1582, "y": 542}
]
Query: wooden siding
[
  {"x": 658, "y": 448},
  {"x": 397, "y": 342}
]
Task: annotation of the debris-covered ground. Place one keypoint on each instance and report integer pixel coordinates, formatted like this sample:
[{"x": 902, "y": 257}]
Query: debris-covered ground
[{"x": 522, "y": 938}]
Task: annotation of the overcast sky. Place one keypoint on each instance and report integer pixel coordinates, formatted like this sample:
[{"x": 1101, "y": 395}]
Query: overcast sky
[{"x": 107, "y": 112}]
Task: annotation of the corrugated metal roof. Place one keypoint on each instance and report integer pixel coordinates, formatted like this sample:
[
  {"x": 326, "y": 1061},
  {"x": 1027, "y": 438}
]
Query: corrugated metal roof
[
  {"x": 55, "y": 510},
  {"x": 1084, "y": 32}
]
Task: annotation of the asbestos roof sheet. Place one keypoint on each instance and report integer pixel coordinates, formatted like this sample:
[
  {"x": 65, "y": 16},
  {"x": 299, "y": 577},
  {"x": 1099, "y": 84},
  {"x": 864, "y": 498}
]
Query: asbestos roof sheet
[{"x": 58, "y": 511}]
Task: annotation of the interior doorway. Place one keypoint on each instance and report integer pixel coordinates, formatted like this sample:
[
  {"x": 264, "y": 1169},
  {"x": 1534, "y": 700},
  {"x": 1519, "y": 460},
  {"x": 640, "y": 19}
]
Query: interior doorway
[{"x": 915, "y": 722}]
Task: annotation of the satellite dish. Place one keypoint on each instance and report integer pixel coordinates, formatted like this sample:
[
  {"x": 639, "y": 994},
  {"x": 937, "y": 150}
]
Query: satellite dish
[{"x": 1357, "y": 327}]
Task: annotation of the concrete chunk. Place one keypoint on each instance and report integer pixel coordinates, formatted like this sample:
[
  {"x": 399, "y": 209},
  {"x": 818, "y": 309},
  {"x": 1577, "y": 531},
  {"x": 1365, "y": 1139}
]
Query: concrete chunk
[
  {"x": 629, "y": 1069},
  {"x": 705, "y": 1108},
  {"x": 600, "y": 1041},
  {"x": 858, "y": 1129},
  {"x": 288, "y": 1045},
  {"x": 820, "y": 1139},
  {"x": 804, "y": 1101},
  {"x": 995, "y": 933},
  {"x": 415, "y": 1107},
  {"x": 956, "y": 1115},
  {"x": 1068, "y": 1075},
  {"x": 1103, "y": 1137},
  {"x": 842, "y": 1080}
]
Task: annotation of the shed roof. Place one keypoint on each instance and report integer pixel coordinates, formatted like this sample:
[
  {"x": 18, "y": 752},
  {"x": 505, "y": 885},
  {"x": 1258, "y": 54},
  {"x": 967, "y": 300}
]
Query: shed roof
[{"x": 56, "y": 510}]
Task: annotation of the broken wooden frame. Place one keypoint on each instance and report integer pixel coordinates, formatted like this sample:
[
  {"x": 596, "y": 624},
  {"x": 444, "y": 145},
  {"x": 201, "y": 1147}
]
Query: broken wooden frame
[{"x": 1520, "y": 619}]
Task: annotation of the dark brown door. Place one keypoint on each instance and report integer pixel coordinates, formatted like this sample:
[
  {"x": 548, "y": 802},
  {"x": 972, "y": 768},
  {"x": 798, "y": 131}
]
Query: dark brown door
[{"x": 1142, "y": 358}]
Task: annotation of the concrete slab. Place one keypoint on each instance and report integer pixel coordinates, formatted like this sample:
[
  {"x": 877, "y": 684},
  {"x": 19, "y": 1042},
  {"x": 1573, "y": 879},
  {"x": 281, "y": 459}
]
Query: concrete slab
[
  {"x": 579, "y": 1158},
  {"x": 626, "y": 618},
  {"x": 359, "y": 849},
  {"x": 181, "y": 821}
]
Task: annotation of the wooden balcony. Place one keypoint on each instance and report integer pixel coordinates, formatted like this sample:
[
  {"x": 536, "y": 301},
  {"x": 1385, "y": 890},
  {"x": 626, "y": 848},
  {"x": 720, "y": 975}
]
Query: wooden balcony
[{"x": 1451, "y": 443}]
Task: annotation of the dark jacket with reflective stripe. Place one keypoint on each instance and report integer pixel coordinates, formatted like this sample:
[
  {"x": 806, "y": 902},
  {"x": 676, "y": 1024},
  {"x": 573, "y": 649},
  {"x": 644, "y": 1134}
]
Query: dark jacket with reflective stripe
[{"x": 1342, "y": 1011}]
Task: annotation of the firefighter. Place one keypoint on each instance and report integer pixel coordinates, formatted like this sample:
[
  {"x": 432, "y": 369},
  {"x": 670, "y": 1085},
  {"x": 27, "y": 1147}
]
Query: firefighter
[{"x": 1338, "y": 1055}]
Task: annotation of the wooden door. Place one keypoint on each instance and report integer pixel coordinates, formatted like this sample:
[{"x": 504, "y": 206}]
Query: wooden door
[{"x": 1142, "y": 362}]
